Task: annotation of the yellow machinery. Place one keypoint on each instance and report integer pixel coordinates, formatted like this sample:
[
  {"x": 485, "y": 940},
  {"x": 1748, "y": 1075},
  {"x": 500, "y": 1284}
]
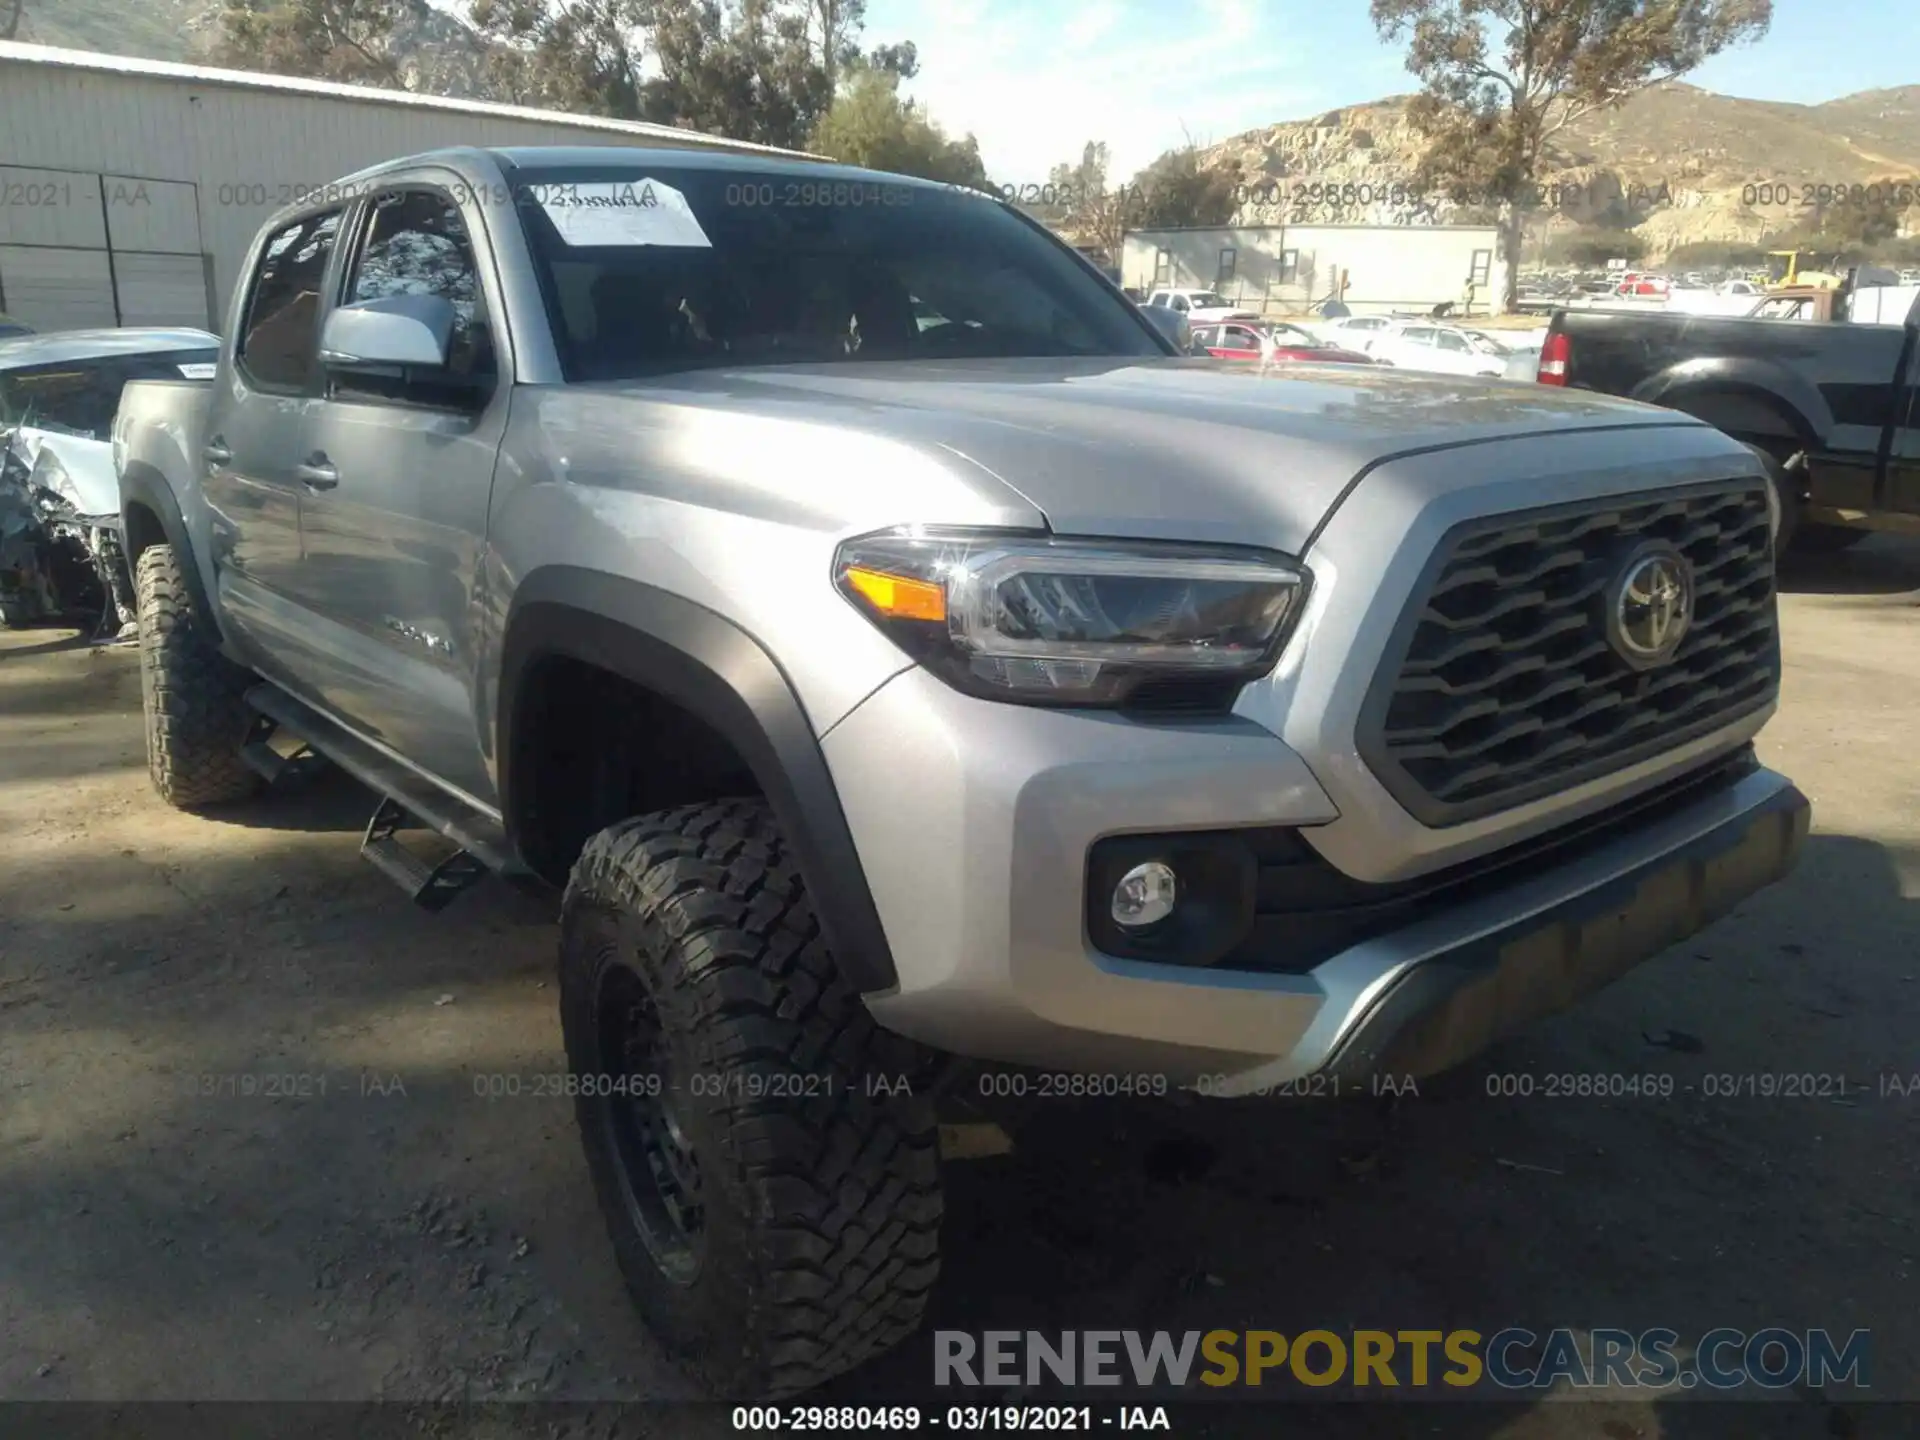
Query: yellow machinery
[{"x": 1783, "y": 272}]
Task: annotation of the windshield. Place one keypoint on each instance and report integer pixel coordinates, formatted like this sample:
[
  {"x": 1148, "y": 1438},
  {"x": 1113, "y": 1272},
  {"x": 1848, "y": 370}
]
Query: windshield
[
  {"x": 666, "y": 270},
  {"x": 1207, "y": 300},
  {"x": 79, "y": 397},
  {"x": 1487, "y": 345}
]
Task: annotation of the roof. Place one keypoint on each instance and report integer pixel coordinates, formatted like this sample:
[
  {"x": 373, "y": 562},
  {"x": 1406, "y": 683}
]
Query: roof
[
  {"x": 17, "y": 52},
  {"x": 569, "y": 157},
  {"x": 65, "y": 345}
]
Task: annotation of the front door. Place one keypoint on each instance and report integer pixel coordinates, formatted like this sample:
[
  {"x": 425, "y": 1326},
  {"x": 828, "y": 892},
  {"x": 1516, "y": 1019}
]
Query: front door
[
  {"x": 394, "y": 511},
  {"x": 254, "y": 424}
]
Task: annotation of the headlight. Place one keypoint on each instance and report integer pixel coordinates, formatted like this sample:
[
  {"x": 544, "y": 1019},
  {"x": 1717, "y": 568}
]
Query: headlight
[{"x": 1071, "y": 622}]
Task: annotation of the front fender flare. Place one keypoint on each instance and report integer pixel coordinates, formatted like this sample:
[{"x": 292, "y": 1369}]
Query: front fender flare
[{"x": 714, "y": 670}]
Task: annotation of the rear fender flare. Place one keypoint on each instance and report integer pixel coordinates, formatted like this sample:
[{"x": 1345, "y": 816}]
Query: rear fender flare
[
  {"x": 144, "y": 491},
  {"x": 1789, "y": 395}
]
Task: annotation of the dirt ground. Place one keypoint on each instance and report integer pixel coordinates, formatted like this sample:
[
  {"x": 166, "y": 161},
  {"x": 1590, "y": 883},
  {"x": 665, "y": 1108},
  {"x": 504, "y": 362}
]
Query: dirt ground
[{"x": 389, "y": 1233}]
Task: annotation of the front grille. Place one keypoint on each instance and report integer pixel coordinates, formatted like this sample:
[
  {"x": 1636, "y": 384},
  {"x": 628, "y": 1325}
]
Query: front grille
[{"x": 1501, "y": 685}]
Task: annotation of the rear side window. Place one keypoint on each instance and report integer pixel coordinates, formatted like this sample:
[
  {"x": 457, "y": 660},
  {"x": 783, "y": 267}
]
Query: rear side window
[
  {"x": 79, "y": 397},
  {"x": 280, "y": 337}
]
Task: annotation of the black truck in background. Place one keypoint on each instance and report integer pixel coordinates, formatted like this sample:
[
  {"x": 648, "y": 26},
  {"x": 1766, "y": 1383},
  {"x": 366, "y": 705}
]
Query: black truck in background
[{"x": 1834, "y": 405}]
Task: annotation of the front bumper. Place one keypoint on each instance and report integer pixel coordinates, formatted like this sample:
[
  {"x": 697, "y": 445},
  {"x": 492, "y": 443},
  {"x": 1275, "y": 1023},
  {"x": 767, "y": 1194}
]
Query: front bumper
[{"x": 973, "y": 821}]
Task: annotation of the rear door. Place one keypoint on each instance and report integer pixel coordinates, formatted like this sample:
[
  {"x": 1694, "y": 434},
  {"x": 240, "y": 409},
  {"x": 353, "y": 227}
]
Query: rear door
[
  {"x": 394, "y": 511},
  {"x": 254, "y": 423}
]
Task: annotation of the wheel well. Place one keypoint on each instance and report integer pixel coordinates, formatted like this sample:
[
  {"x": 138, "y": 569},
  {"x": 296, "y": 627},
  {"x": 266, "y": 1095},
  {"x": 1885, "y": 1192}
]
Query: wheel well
[
  {"x": 143, "y": 529},
  {"x": 591, "y": 748}
]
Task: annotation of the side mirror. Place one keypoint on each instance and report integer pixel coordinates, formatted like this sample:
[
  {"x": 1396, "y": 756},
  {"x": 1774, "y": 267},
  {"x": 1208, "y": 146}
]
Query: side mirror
[{"x": 408, "y": 330}]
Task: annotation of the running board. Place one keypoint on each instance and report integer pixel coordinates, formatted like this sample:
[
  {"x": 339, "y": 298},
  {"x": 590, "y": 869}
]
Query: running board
[{"x": 407, "y": 801}]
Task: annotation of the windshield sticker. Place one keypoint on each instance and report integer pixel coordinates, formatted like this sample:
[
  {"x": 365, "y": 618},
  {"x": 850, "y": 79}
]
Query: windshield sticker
[
  {"x": 198, "y": 369},
  {"x": 621, "y": 212}
]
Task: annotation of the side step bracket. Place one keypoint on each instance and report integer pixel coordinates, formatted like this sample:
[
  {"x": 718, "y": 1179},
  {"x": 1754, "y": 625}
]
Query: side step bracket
[{"x": 431, "y": 887}]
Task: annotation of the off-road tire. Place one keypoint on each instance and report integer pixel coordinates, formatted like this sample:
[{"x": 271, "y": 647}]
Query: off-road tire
[
  {"x": 820, "y": 1192},
  {"x": 191, "y": 694}
]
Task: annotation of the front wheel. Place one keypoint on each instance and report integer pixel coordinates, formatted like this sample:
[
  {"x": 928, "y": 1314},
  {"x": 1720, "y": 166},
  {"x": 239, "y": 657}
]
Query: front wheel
[{"x": 765, "y": 1157}]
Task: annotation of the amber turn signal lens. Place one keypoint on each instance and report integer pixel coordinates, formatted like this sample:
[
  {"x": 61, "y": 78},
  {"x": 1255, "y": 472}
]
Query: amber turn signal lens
[{"x": 897, "y": 597}]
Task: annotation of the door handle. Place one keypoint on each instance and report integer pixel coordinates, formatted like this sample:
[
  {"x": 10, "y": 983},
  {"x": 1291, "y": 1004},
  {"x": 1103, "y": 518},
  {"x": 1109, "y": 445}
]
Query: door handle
[
  {"x": 317, "y": 473},
  {"x": 216, "y": 452}
]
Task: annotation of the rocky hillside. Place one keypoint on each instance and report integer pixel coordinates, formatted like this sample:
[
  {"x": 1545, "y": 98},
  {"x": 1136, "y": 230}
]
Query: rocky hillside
[{"x": 1677, "y": 163}]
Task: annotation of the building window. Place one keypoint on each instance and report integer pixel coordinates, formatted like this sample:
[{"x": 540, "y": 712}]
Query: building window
[
  {"x": 1228, "y": 257},
  {"x": 1162, "y": 266},
  {"x": 1482, "y": 269},
  {"x": 1289, "y": 267}
]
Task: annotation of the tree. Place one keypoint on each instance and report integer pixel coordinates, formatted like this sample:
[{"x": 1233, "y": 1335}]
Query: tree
[
  {"x": 760, "y": 70},
  {"x": 1178, "y": 190},
  {"x": 870, "y": 124},
  {"x": 748, "y": 70},
  {"x": 833, "y": 30},
  {"x": 1500, "y": 78},
  {"x": 1591, "y": 248},
  {"x": 1085, "y": 208},
  {"x": 344, "y": 40}
]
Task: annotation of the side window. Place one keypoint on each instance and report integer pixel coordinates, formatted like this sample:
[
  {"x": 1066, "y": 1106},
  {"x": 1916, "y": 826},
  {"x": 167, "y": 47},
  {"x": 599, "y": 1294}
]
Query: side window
[
  {"x": 1241, "y": 339},
  {"x": 1158, "y": 299},
  {"x": 1450, "y": 341},
  {"x": 417, "y": 244},
  {"x": 280, "y": 336},
  {"x": 1204, "y": 335},
  {"x": 1418, "y": 335},
  {"x": 1180, "y": 304}
]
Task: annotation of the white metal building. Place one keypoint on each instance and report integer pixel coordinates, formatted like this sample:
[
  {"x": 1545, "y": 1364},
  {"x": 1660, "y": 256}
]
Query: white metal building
[
  {"x": 1283, "y": 269},
  {"x": 130, "y": 189}
]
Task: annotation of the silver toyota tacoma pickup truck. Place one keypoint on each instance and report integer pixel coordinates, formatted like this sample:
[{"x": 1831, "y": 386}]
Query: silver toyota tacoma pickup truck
[{"x": 898, "y": 653}]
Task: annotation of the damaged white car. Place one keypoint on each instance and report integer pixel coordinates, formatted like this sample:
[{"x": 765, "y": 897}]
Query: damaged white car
[{"x": 60, "y": 542}]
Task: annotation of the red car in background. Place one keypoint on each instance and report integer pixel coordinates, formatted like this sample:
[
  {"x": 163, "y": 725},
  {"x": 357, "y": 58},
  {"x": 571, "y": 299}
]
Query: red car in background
[{"x": 1271, "y": 340}]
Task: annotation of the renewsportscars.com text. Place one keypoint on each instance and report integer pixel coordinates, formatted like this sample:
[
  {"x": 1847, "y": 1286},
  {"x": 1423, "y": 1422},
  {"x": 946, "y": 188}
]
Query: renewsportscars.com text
[{"x": 1508, "y": 1359}]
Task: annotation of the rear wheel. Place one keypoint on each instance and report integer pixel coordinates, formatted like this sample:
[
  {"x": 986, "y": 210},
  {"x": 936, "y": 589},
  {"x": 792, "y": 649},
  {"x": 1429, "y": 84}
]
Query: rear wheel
[
  {"x": 190, "y": 694},
  {"x": 1777, "y": 462},
  {"x": 770, "y": 1183}
]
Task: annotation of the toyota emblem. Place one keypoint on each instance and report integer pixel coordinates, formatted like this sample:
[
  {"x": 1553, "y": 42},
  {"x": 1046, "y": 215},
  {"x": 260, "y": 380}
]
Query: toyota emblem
[{"x": 1650, "y": 607}]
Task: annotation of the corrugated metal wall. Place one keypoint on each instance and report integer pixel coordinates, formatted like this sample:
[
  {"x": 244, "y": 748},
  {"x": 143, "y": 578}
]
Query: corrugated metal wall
[{"x": 244, "y": 153}]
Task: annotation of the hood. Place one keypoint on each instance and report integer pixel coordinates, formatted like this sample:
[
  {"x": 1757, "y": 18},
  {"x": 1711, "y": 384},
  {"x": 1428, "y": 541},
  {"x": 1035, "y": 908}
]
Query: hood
[
  {"x": 1177, "y": 449},
  {"x": 77, "y": 470}
]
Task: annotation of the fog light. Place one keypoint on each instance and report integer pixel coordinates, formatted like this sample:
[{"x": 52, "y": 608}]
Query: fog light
[{"x": 1145, "y": 895}]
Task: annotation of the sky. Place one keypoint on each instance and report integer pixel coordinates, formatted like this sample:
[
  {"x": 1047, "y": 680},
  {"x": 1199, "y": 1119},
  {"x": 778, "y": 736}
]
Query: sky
[{"x": 1034, "y": 80}]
